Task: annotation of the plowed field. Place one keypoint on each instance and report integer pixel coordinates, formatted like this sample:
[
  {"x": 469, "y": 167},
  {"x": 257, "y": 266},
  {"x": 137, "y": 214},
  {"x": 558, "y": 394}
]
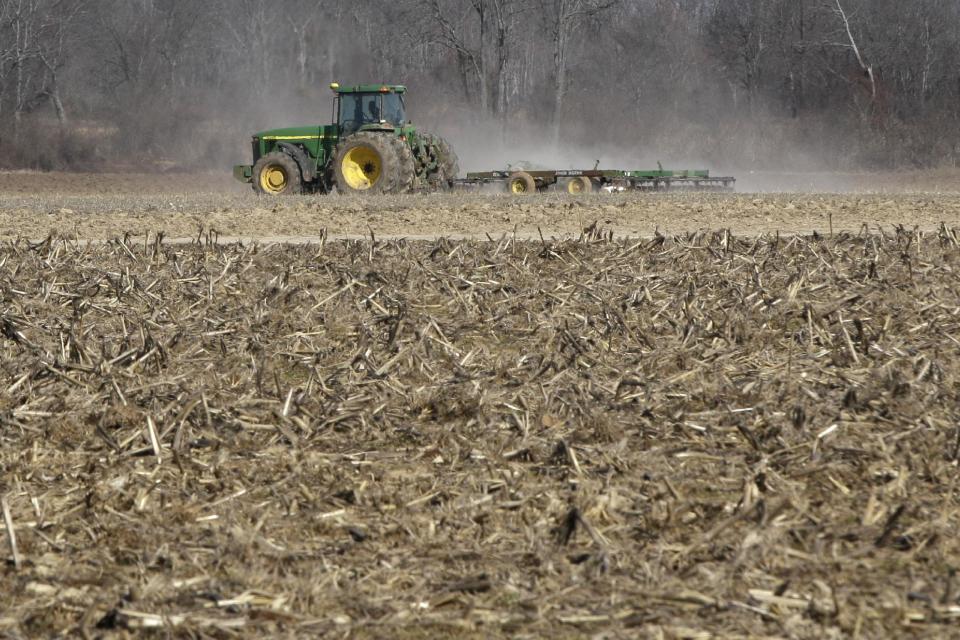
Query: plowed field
[
  {"x": 104, "y": 206},
  {"x": 689, "y": 434}
]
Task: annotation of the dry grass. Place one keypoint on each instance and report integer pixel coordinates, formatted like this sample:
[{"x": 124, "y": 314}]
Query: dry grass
[{"x": 688, "y": 437}]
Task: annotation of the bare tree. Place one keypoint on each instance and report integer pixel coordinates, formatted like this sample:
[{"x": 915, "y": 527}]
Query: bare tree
[
  {"x": 700, "y": 78},
  {"x": 564, "y": 16},
  {"x": 33, "y": 48},
  {"x": 867, "y": 68},
  {"x": 452, "y": 32}
]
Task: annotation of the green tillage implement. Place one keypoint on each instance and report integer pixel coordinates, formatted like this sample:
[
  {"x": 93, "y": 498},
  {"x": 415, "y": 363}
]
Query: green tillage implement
[{"x": 587, "y": 180}]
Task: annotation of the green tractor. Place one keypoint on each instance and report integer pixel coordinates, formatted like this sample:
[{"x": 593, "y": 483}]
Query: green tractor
[{"x": 369, "y": 148}]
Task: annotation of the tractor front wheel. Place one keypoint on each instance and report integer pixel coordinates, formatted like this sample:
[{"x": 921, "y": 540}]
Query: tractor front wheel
[
  {"x": 521, "y": 183},
  {"x": 368, "y": 162},
  {"x": 277, "y": 174}
]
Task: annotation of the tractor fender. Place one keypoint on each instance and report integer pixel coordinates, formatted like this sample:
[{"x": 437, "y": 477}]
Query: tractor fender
[{"x": 307, "y": 169}]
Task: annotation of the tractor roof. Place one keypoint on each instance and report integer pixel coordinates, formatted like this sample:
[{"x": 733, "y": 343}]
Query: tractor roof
[{"x": 369, "y": 88}]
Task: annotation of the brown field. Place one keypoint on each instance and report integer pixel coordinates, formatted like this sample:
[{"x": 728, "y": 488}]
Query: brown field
[
  {"x": 89, "y": 207},
  {"x": 703, "y": 434}
]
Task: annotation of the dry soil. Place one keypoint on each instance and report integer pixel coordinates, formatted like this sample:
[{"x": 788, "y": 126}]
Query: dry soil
[
  {"x": 713, "y": 434},
  {"x": 92, "y": 207}
]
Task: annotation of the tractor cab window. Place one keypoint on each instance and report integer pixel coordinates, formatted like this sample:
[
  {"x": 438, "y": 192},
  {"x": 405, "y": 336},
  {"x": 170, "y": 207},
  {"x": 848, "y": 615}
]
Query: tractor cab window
[
  {"x": 359, "y": 109},
  {"x": 393, "y": 109}
]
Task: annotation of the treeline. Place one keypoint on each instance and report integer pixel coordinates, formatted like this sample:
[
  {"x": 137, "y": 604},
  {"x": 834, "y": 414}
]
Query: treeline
[{"x": 737, "y": 83}]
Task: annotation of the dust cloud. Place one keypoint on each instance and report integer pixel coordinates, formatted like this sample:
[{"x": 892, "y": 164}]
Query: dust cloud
[{"x": 764, "y": 158}]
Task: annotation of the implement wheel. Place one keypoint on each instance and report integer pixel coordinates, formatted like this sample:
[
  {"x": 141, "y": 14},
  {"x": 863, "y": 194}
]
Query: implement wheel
[
  {"x": 579, "y": 185},
  {"x": 277, "y": 174},
  {"x": 521, "y": 183},
  {"x": 370, "y": 162}
]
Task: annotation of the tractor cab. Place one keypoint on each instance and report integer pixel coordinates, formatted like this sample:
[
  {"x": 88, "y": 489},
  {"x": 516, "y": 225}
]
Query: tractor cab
[{"x": 369, "y": 108}]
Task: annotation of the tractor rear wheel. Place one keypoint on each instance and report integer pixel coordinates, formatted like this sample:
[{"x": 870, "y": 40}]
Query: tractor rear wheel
[
  {"x": 277, "y": 174},
  {"x": 579, "y": 185},
  {"x": 448, "y": 165},
  {"x": 521, "y": 183},
  {"x": 369, "y": 162}
]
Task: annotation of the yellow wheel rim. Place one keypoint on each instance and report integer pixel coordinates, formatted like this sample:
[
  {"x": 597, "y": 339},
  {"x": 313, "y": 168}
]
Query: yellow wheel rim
[
  {"x": 361, "y": 167},
  {"x": 518, "y": 185},
  {"x": 273, "y": 178},
  {"x": 574, "y": 187}
]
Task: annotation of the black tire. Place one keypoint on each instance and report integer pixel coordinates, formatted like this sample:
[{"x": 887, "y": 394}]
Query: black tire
[
  {"x": 448, "y": 165},
  {"x": 277, "y": 174},
  {"x": 408, "y": 162},
  {"x": 521, "y": 183},
  {"x": 370, "y": 163}
]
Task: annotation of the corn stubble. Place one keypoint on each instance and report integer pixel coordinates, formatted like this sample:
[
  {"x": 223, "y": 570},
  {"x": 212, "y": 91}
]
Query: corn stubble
[{"x": 693, "y": 436}]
